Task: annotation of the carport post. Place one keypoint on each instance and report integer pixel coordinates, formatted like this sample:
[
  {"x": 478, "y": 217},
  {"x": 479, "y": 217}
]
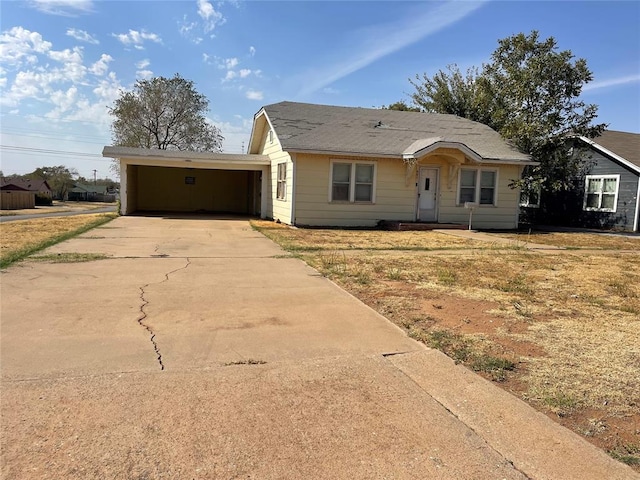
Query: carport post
[
  {"x": 123, "y": 187},
  {"x": 265, "y": 190}
]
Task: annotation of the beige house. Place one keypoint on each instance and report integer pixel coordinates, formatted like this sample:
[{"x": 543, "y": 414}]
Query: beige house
[
  {"x": 321, "y": 165},
  {"x": 344, "y": 166}
]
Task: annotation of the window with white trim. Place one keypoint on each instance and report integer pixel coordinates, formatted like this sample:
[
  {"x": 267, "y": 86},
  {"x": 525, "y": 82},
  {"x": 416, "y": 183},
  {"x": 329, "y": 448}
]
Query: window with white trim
[
  {"x": 352, "y": 182},
  {"x": 601, "y": 193},
  {"x": 477, "y": 186},
  {"x": 281, "y": 189}
]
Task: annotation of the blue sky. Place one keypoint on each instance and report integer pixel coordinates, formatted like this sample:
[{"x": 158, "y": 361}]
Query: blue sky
[{"x": 62, "y": 62}]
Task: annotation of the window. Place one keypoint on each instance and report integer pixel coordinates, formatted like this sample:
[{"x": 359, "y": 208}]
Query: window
[
  {"x": 470, "y": 180},
  {"x": 601, "y": 193},
  {"x": 352, "y": 182},
  {"x": 530, "y": 198},
  {"x": 281, "y": 189}
]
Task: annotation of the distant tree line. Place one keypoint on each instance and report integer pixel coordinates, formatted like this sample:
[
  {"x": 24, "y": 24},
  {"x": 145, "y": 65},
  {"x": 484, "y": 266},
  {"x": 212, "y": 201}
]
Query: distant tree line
[{"x": 61, "y": 179}]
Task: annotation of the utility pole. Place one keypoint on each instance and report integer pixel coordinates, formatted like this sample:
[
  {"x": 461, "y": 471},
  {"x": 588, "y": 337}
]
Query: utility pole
[{"x": 94, "y": 176}]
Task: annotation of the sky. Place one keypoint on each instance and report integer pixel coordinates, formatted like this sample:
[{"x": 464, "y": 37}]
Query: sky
[{"x": 64, "y": 62}]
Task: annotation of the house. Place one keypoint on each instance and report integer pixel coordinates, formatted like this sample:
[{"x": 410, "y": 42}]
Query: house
[
  {"x": 90, "y": 193},
  {"x": 607, "y": 194},
  {"x": 319, "y": 165},
  {"x": 40, "y": 189}
]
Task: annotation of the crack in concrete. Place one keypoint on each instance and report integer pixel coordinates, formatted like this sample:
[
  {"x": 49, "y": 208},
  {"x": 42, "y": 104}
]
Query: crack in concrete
[{"x": 144, "y": 315}]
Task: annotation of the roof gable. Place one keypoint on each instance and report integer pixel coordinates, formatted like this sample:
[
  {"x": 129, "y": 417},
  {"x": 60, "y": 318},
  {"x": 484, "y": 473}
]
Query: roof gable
[
  {"x": 28, "y": 184},
  {"x": 623, "y": 147},
  {"x": 378, "y": 132}
]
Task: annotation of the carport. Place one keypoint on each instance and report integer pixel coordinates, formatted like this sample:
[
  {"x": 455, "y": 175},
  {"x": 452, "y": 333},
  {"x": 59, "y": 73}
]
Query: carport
[{"x": 153, "y": 180}]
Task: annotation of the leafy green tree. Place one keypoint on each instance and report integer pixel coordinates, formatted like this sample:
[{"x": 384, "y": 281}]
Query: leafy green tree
[
  {"x": 530, "y": 93},
  {"x": 402, "y": 106},
  {"x": 164, "y": 113},
  {"x": 452, "y": 92},
  {"x": 60, "y": 178}
]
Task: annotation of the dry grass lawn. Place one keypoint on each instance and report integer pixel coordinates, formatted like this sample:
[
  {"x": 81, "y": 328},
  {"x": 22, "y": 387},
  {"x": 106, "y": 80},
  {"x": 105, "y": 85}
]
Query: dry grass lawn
[
  {"x": 591, "y": 241},
  {"x": 561, "y": 331},
  {"x": 23, "y": 236}
]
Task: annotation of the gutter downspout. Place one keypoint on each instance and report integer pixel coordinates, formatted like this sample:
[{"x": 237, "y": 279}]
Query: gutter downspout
[
  {"x": 293, "y": 187},
  {"x": 637, "y": 215}
]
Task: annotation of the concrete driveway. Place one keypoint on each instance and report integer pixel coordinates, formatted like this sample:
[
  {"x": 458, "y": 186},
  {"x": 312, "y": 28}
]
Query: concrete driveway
[{"x": 201, "y": 350}]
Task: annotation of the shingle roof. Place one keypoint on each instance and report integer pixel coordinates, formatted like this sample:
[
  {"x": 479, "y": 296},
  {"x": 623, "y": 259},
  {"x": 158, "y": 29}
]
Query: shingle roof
[
  {"x": 331, "y": 129},
  {"x": 31, "y": 185},
  {"x": 82, "y": 187},
  {"x": 623, "y": 144}
]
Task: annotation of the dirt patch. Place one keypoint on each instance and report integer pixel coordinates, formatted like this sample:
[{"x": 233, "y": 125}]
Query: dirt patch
[{"x": 561, "y": 332}]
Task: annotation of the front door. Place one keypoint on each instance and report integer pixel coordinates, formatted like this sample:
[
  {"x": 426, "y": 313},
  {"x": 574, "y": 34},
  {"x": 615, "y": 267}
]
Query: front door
[{"x": 427, "y": 194}]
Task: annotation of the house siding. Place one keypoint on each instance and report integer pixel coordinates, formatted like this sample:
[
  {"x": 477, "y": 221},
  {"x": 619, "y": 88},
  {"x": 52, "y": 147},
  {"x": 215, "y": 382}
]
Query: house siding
[
  {"x": 395, "y": 199},
  {"x": 278, "y": 209},
  {"x": 625, "y": 213}
]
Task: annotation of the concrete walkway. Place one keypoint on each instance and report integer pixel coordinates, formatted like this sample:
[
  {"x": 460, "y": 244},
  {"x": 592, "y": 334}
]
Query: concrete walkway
[{"x": 200, "y": 350}]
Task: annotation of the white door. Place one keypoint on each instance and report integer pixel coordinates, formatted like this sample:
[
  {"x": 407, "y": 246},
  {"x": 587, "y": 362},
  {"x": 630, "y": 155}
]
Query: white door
[{"x": 427, "y": 194}]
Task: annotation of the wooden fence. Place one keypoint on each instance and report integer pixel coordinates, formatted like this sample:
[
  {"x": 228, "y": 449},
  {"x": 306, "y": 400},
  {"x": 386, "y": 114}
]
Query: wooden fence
[{"x": 17, "y": 200}]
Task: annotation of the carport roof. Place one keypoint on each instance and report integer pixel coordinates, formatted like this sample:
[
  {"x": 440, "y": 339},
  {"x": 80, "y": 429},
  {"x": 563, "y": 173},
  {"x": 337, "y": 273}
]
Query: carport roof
[{"x": 207, "y": 157}]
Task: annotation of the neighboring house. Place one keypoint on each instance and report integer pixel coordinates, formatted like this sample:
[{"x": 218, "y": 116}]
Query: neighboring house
[
  {"x": 607, "y": 195},
  {"x": 90, "y": 193},
  {"x": 15, "y": 197},
  {"x": 317, "y": 165},
  {"x": 40, "y": 188}
]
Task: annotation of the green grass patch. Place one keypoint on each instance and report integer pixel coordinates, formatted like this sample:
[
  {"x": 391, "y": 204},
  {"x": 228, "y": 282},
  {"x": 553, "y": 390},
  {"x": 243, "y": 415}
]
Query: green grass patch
[
  {"x": 629, "y": 454},
  {"x": 496, "y": 367},
  {"x": 23, "y": 253}
]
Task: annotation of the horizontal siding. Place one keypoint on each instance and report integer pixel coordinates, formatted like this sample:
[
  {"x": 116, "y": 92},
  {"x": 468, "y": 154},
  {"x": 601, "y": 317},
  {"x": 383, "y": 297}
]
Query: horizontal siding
[
  {"x": 625, "y": 212},
  {"x": 395, "y": 200},
  {"x": 503, "y": 215},
  {"x": 276, "y": 208}
]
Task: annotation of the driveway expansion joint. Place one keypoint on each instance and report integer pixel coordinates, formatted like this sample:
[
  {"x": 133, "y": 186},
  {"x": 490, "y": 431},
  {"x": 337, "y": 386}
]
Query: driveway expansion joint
[{"x": 143, "y": 314}]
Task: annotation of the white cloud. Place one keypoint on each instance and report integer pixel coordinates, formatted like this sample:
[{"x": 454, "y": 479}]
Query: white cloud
[
  {"x": 66, "y": 55},
  {"x": 379, "y": 41},
  {"x": 67, "y": 8},
  {"x": 187, "y": 28},
  {"x": 62, "y": 101},
  {"x": 82, "y": 36},
  {"x": 252, "y": 50},
  {"x": 210, "y": 15},
  {"x": 19, "y": 45},
  {"x": 254, "y": 95},
  {"x": 229, "y": 63},
  {"x": 245, "y": 72},
  {"x": 144, "y": 74},
  {"x": 101, "y": 67},
  {"x": 330, "y": 90},
  {"x": 611, "y": 82},
  {"x": 136, "y": 39},
  {"x": 143, "y": 64}
]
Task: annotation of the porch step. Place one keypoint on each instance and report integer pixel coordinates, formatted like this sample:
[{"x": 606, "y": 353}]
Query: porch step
[{"x": 406, "y": 226}]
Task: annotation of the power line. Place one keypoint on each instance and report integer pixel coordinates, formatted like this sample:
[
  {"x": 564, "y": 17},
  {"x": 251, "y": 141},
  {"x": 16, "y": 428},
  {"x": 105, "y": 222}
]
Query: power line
[
  {"x": 56, "y": 138},
  {"x": 49, "y": 152}
]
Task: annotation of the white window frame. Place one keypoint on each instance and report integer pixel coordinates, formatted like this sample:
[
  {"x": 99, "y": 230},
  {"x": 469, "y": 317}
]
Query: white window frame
[
  {"x": 352, "y": 182},
  {"x": 281, "y": 181},
  {"x": 616, "y": 177},
  {"x": 525, "y": 198},
  {"x": 476, "y": 197}
]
